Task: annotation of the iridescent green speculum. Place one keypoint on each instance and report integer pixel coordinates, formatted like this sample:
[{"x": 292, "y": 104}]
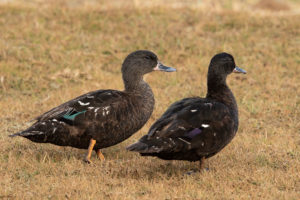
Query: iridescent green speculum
[{"x": 72, "y": 117}]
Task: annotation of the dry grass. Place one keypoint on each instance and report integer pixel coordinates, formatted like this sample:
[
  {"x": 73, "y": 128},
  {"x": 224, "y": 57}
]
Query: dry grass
[
  {"x": 51, "y": 54},
  {"x": 273, "y": 5}
]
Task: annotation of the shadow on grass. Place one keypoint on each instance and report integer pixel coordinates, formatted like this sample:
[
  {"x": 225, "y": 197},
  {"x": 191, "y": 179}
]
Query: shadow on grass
[{"x": 119, "y": 163}]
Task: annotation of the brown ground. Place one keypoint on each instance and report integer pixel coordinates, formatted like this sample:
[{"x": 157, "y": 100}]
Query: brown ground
[{"x": 52, "y": 52}]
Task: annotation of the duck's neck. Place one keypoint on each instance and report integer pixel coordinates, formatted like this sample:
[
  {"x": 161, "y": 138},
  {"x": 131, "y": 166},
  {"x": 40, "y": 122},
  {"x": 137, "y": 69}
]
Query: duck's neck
[
  {"x": 136, "y": 85},
  {"x": 217, "y": 89},
  {"x": 133, "y": 84},
  {"x": 143, "y": 95}
]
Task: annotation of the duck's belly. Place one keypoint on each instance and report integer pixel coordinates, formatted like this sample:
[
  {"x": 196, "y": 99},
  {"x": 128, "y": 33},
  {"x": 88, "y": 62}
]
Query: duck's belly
[
  {"x": 116, "y": 134},
  {"x": 189, "y": 156}
]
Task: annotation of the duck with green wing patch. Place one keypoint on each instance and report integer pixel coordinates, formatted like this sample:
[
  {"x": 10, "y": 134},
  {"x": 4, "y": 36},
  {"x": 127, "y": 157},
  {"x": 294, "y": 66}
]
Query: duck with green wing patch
[{"x": 101, "y": 118}]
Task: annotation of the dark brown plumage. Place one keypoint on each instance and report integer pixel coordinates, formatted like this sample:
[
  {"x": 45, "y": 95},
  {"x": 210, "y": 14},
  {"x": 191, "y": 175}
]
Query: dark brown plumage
[
  {"x": 196, "y": 128},
  {"x": 101, "y": 118}
]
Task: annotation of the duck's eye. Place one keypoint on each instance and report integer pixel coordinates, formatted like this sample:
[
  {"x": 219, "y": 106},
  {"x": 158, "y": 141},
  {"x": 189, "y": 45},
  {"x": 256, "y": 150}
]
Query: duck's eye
[{"x": 148, "y": 57}]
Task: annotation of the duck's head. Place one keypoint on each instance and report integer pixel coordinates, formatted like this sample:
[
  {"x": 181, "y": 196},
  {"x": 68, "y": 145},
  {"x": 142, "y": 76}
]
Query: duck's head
[
  {"x": 142, "y": 62},
  {"x": 223, "y": 64}
]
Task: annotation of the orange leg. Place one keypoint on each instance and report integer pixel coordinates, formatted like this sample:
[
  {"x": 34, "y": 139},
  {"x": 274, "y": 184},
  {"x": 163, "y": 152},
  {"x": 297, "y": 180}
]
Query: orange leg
[
  {"x": 100, "y": 155},
  {"x": 90, "y": 150}
]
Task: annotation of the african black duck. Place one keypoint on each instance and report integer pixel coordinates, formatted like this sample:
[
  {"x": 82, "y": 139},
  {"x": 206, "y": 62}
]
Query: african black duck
[
  {"x": 195, "y": 128},
  {"x": 101, "y": 118}
]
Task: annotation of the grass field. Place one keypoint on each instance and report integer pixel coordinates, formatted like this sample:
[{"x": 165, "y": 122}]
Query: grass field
[{"x": 52, "y": 52}]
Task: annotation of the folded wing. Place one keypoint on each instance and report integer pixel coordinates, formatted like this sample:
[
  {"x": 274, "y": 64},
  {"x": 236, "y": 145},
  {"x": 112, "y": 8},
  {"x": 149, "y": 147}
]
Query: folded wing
[{"x": 189, "y": 124}]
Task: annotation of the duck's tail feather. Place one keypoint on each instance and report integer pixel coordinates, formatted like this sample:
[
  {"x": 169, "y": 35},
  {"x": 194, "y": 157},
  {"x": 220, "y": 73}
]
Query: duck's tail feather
[
  {"x": 159, "y": 145},
  {"x": 42, "y": 129},
  {"x": 15, "y": 134},
  {"x": 138, "y": 147},
  {"x": 144, "y": 148},
  {"x": 36, "y": 129},
  {"x": 26, "y": 133}
]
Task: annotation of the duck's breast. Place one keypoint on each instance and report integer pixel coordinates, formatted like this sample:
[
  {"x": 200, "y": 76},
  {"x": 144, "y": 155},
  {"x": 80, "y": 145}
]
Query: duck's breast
[{"x": 121, "y": 120}]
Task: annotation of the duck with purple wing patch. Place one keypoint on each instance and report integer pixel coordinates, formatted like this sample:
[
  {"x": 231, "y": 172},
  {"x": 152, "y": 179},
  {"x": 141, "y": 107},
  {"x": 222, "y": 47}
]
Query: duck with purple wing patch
[
  {"x": 101, "y": 118},
  {"x": 196, "y": 128}
]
